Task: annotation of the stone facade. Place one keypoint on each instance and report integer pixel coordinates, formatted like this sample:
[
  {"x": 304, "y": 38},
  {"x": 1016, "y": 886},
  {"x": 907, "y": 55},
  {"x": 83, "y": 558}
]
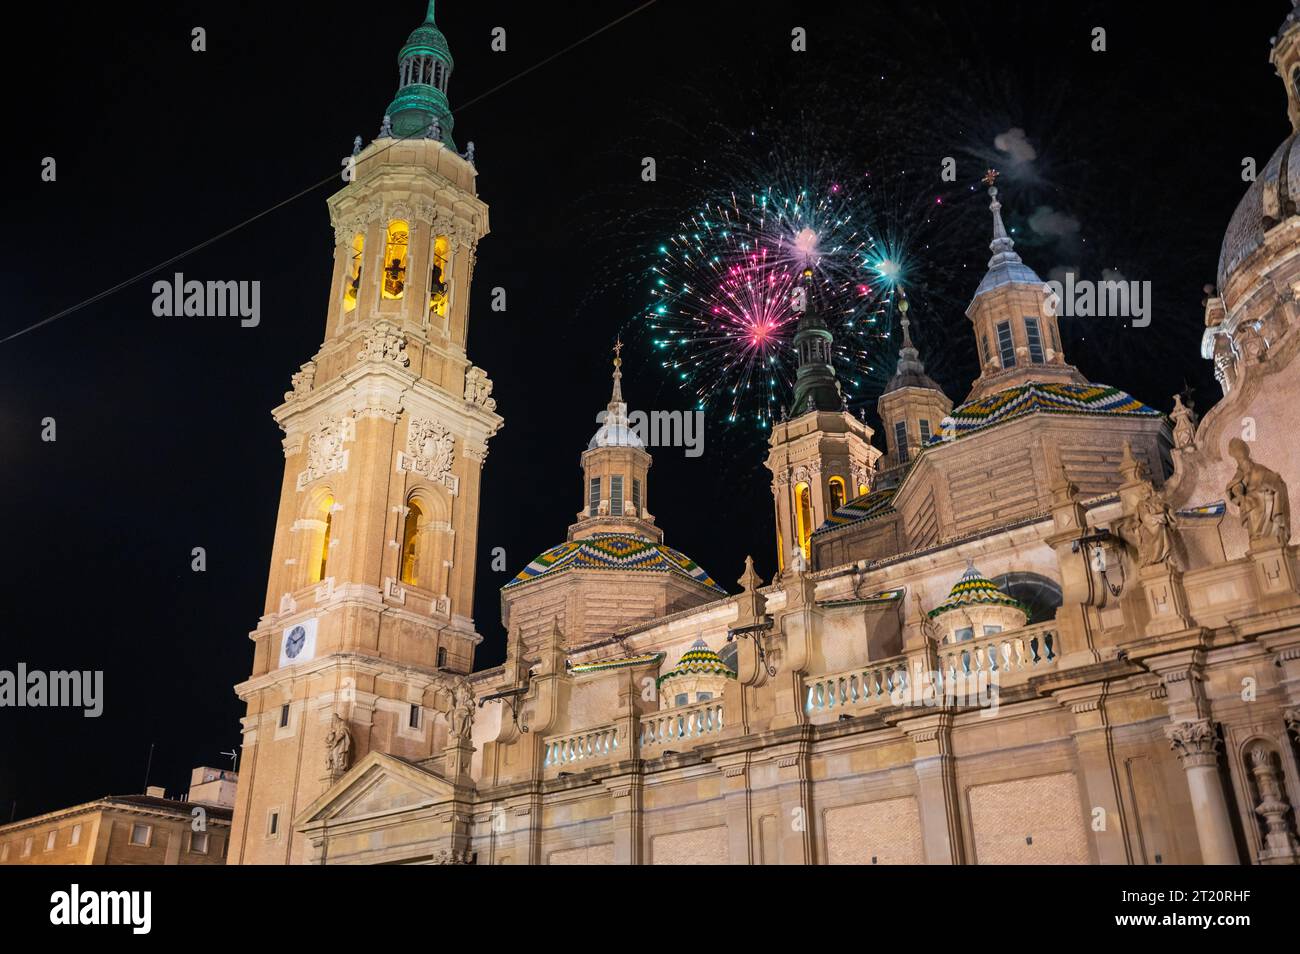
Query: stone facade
[{"x": 1118, "y": 683}]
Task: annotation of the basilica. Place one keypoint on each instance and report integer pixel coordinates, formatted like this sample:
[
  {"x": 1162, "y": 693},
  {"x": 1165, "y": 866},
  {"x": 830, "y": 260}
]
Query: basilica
[{"x": 1049, "y": 623}]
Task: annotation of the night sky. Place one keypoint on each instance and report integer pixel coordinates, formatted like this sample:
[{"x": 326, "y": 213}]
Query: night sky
[{"x": 165, "y": 440}]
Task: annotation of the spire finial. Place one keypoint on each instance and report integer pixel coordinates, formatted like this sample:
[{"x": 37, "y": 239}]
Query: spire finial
[
  {"x": 617, "y": 396},
  {"x": 1001, "y": 241},
  {"x": 906, "y": 323}
]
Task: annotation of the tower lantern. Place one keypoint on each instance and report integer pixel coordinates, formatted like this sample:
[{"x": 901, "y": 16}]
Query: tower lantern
[{"x": 421, "y": 108}]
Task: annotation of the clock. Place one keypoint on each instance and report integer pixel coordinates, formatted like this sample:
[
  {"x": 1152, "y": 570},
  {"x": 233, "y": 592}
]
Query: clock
[
  {"x": 295, "y": 641},
  {"x": 298, "y": 642}
]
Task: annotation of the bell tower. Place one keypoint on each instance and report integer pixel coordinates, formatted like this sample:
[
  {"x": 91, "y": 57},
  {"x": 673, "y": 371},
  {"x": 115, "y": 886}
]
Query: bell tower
[
  {"x": 1285, "y": 57},
  {"x": 820, "y": 455},
  {"x": 1014, "y": 318},
  {"x": 369, "y": 597}
]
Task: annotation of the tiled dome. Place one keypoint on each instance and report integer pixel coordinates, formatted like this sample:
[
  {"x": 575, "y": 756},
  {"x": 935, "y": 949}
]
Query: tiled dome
[
  {"x": 1269, "y": 200},
  {"x": 974, "y": 589},
  {"x": 699, "y": 660},
  {"x": 614, "y": 551}
]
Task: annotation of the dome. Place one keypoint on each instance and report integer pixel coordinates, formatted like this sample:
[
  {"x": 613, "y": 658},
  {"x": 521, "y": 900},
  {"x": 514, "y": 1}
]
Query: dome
[
  {"x": 615, "y": 432},
  {"x": 699, "y": 660},
  {"x": 427, "y": 39},
  {"x": 1268, "y": 200},
  {"x": 614, "y": 551},
  {"x": 975, "y": 589},
  {"x": 1036, "y": 397}
]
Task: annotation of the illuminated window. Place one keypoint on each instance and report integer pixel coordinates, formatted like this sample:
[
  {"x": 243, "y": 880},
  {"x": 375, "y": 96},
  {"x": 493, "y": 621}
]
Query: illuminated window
[
  {"x": 900, "y": 440},
  {"x": 862, "y": 489},
  {"x": 410, "y": 543},
  {"x": 780, "y": 552},
  {"x": 1006, "y": 350},
  {"x": 616, "y": 495},
  {"x": 803, "y": 516},
  {"x": 593, "y": 497},
  {"x": 1034, "y": 340},
  {"x": 395, "y": 256},
  {"x": 438, "y": 277},
  {"x": 318, "y": 560},
  {"x": 353, "y": 287},
  {"x": 837, "y": 493},
  {"x": 636, "y": 497}
]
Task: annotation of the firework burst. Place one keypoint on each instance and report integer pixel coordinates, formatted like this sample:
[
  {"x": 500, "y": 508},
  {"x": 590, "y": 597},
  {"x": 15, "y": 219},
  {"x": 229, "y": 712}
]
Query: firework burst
[{"x": 720, "y": 313}]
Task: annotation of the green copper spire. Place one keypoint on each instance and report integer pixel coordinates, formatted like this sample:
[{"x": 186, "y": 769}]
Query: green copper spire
[
  {"x": 420, "y": 108},
  {"x": 815, "y": 386}
]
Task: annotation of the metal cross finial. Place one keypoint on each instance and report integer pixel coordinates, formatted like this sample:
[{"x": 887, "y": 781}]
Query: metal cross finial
[
  {"x": 618, "y": 351},
  {"x": 991, "y": 178}
]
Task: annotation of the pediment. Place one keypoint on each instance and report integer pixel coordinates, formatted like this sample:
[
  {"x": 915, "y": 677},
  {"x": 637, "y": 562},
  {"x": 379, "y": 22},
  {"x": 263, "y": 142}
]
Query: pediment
[{"x": 377, "y": 785}]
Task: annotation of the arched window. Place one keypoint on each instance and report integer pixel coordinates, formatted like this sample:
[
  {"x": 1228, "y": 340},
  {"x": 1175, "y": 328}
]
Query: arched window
[
  {"x": 439, "y": 278},
  {"x": 803, "y": 516},
  {"x": 836, "y": 493},
  {"x": 410, "y": 544},
  {"x": 395, "y": 256},
  {"x": 1040, "y": 594},
  {"x": 352, "y": 288},
  {"x": 318, "y": 560}
]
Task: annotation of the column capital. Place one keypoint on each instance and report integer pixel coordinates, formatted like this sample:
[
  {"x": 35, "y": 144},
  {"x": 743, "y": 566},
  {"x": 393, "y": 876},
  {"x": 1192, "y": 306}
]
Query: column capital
[{"x": 1195, "y": 740}]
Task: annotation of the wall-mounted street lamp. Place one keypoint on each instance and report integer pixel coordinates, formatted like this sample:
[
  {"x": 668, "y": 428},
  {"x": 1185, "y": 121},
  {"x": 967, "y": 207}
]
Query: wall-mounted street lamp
[
  {"x": 512, "y": 698},
  {"x": 1097, "y": 544},
  {"x": 755, "y": 632}
]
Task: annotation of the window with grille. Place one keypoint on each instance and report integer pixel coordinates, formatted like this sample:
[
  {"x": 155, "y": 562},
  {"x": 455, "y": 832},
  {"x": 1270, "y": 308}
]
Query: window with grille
[
  {"x": 593, "y": 497},
  {"x": 1006, "y": 349},
  {"x": 1035, "y": 340},
  {"x": 900, "y": 440},
  {"x": 616, "y": 495}
]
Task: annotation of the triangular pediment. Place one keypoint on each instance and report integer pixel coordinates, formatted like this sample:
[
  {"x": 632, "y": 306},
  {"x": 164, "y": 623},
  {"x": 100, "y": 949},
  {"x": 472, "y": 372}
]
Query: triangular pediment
[{"x": 377, "y": 785}]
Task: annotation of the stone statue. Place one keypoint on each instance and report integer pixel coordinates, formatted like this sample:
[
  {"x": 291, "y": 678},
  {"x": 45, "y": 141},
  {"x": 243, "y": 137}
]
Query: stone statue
[
  {"x": 356, "y": 146},
  {"x": 1153, "y": 529},
  {"x": 469, "y": 152},
  {"x": 386, "y": 128},
  {"x": 798, "y": 562},
  {"x": 460, "y": 716},
  {"x": 339, "y": 745},
  {"x": 1184, "y": 424},
  {"x": 1261, "y": 497}
]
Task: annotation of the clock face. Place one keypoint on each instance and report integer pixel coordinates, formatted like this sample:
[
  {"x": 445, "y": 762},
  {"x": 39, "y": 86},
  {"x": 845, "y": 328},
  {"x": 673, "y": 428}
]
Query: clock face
[
  {"x": 298, "y": 642},
  {"x": 294, "y": 642}
]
